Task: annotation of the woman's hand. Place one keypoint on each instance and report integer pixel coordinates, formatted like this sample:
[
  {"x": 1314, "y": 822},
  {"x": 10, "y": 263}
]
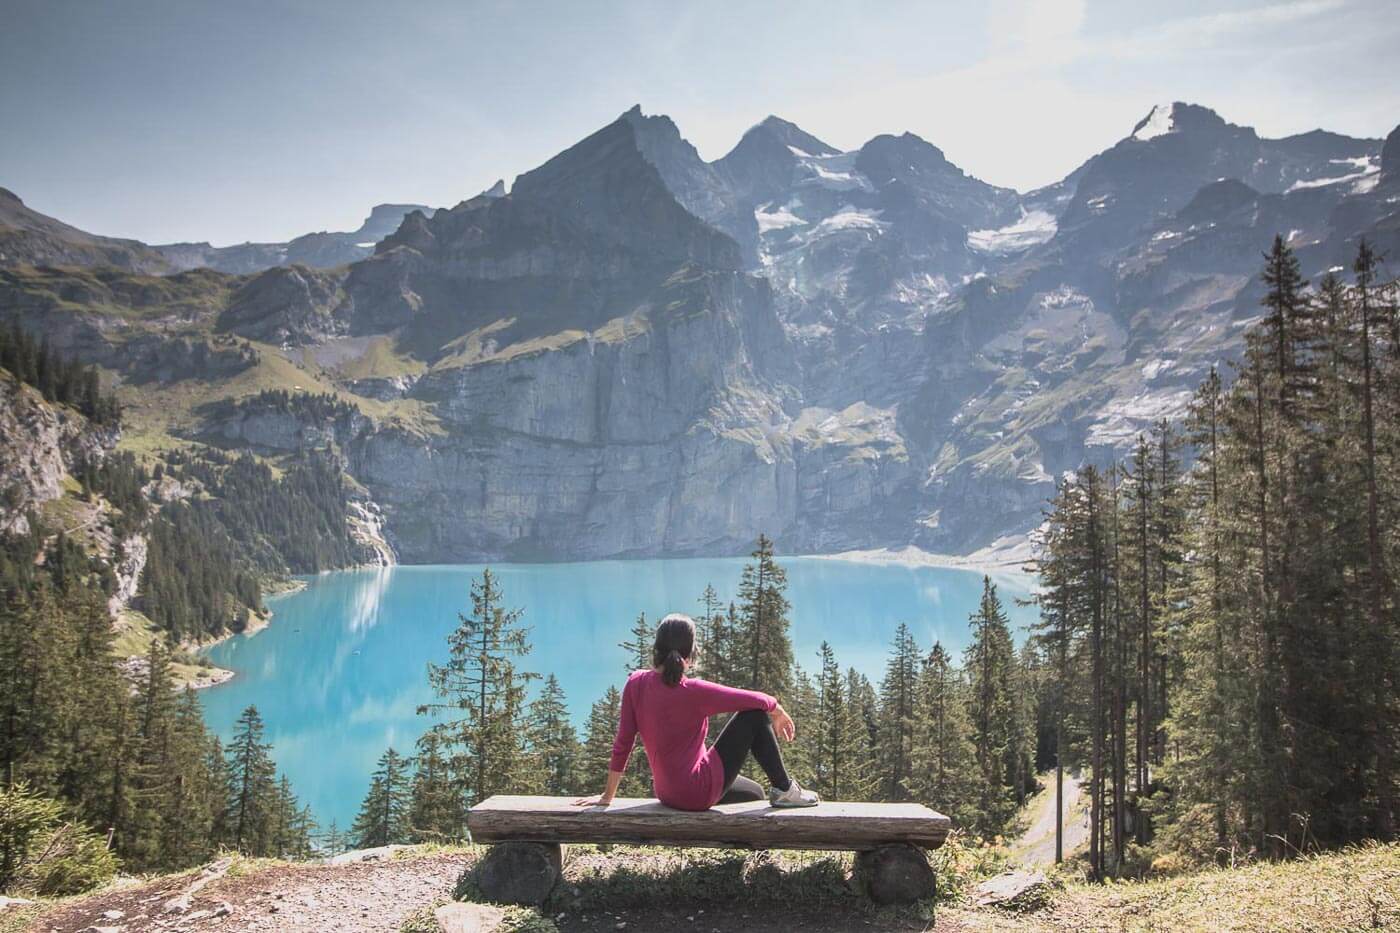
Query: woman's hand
[
  {"x": 597, "y": 800},
  {"x": 609, "y": 792},
  {"x": 783, "y": 726}
]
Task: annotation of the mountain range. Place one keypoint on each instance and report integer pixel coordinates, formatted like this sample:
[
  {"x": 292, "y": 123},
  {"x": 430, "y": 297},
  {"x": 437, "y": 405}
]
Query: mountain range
[{"x": 632, "y": 351}]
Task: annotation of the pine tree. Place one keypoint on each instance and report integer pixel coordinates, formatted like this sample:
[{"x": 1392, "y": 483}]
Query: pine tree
[
  {"x": 638, "y": 646},
  {"x": 840, "y": 747},
  {"x": 599, "y": 733},
  {"x": 709, "y": 647},
  {"x": 481, "y": 684},
  {"x": 193, "y": 796},
  {"x": 804, "y": 707},
  {"x": 553, "y": 741},
  {"x": 252, "y": 776},
  {"x": 763, "y": 647},
  {"x": 435, "y": 803},
  {"x": 1377, "y": 579},
  {"x": 864, "y": 704},
  {"x": 943, "y": 758},
  {"x": 153, "y": 778},
  {"x": 384, "y": 817},
  {"x": 991, "y": 662},
  {"x": 896, "y": 725},
  {"x": 333, "y": 842}
]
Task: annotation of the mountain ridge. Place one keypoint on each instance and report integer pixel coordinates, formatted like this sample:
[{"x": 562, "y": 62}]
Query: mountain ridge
[{"x": 633, "y": 351}]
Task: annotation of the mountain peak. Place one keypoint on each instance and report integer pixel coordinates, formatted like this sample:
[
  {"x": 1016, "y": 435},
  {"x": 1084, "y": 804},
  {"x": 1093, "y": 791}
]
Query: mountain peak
[
  {"x": 1175, "y": 117},
  {"x": 790, "y": 135},
  {"x": 654, "y": 129},
  {"x": 1158, "y": 122}
]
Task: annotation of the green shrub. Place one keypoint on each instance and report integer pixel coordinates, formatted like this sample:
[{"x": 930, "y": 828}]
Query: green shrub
[
  {"x": 420, "y": 921},
  {"x": 963, "y": 861},
  {"x": 42, "y": 853}
]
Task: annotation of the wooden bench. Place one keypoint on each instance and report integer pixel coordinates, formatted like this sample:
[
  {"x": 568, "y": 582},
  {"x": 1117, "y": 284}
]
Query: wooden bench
[{"x": 525, "y": 833}]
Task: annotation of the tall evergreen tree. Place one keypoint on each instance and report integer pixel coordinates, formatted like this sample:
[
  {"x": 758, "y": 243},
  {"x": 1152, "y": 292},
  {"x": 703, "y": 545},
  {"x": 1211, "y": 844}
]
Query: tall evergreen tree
[
  {"x": 553, "y": 740},
  {"x": 481, "y": 686},
  {"x": 990, "y": 661},
  {"x": 895, "y": 734},
  {"x": 943, "y": 772},
  {"x": 435, "y": 805},
  {"x": 763, "y": 648},
  {"x": 253, "y": 778},
  {"x": 384, "y": 817}
]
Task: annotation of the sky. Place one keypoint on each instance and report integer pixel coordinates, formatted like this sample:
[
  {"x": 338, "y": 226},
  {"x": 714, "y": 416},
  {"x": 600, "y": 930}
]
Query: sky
[{"x": 237, "y": 120}]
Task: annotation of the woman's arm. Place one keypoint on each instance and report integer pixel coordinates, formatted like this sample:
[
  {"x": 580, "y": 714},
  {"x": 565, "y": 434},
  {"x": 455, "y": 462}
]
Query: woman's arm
[
  {"x": 717, "y": 698},
  {"x": 622, "y": 750},
  {"x": 606, "y": 797}
]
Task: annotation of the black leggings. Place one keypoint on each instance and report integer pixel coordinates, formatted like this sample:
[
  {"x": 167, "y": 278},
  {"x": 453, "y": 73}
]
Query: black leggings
[{"x": 749, "y": 731}]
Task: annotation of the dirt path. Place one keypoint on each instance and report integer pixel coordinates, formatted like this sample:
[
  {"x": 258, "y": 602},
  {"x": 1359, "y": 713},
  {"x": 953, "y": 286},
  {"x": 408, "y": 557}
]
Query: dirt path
[
  {"x": 1037, "y": 845},
  {"x": 361, "y": 897}
]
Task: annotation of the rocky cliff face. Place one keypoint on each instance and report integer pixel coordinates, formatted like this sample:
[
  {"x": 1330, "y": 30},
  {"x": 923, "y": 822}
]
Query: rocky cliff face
[
  {"x": 39, "y": 443},
  {"x": 634, "y": 352}
]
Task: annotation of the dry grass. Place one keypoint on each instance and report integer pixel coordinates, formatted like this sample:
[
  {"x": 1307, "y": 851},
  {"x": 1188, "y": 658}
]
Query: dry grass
[
  {"x": 1357, "y": 889},
  {"x": 1339, "y": 892}
]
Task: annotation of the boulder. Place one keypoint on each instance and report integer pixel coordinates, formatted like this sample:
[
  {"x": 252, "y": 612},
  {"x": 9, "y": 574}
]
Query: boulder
[
  {"x": 519, "y": 872},
  {"x": 895, "y": 874},
  {"x": 1014, "y": 890}
]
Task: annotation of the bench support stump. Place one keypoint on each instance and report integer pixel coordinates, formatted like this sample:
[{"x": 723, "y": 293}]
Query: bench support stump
[
  {"x": 519, "y": 872},
  {"x": 895, "y": 874}
]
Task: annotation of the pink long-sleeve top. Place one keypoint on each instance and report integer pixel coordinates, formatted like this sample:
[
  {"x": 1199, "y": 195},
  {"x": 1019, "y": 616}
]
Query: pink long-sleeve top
[{"x": 673, "y": 722}]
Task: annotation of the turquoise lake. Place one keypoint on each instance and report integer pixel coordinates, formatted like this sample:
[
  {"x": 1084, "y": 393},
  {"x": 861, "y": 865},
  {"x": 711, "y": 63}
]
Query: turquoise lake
[{"x": 339, "y": 673}]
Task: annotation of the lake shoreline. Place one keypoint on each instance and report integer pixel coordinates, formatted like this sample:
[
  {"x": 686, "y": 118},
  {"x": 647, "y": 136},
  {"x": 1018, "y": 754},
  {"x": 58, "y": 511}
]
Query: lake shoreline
[
  {"x": 1004, "y": 557},
  {"x": 1012, "y": 559},
  {"x": 256, "y": 623}
]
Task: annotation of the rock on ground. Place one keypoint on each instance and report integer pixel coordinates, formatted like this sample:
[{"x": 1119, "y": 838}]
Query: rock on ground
[{"x": 1013, "y": 890}]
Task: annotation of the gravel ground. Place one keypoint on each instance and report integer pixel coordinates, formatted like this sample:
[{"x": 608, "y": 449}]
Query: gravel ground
[{"x": 362, "y": 897}]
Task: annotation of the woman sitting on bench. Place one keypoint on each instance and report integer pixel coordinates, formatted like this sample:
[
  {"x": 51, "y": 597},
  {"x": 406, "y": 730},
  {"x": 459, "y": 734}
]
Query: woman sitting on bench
[{"x": 672, "y": 712}]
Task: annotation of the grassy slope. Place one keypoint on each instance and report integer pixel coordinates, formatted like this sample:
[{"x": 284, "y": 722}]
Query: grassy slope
[
  {"x": 1357, "y": 889},
  {"x": 135, "y": 633},
  {"x": 154, "y": 417}
]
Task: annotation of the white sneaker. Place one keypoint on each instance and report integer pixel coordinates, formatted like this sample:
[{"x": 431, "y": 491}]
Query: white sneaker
[{"x": 794, "y": 796}]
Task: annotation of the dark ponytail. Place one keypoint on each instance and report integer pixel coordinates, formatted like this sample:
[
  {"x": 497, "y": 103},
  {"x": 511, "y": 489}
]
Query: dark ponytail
[{"x": 675, "y": 643}]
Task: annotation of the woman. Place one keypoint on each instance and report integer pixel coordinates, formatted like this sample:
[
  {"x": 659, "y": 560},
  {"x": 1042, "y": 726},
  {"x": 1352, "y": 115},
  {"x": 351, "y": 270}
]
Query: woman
[{"x": 672, "y": 712}]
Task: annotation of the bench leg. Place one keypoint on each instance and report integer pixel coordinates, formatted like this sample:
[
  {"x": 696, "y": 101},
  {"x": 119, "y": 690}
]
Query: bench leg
[
  {"x": 519, "y": 872},
  {"x": 895, "y": 874}
]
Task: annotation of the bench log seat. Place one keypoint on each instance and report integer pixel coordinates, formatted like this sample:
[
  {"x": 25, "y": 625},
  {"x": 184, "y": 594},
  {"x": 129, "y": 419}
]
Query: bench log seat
[{"x": 525, "y": 833}]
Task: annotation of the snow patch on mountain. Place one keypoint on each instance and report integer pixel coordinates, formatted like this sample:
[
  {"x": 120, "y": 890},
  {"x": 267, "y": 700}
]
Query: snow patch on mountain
[
  {"x": 851, "y": 218},
  {"x": 835, "y": 172},
  {"x": 1364, "y": 167},
  {"x": 1157, "y": 123},
  {"x": 775, "y": 218},
  {"x": 1034, "y": 227}
]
